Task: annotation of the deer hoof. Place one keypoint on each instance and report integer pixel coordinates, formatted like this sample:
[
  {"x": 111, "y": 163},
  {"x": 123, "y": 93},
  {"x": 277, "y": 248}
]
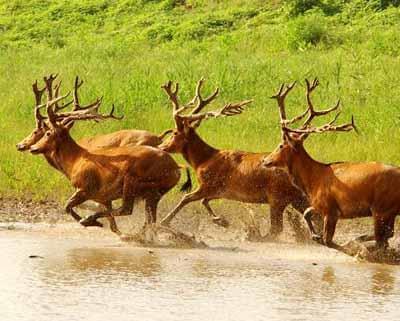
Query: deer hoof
[
  {"x": 89, "y": 221},
  {"x": 317, "y": 238},
  {"x": 220, "y": 221}
]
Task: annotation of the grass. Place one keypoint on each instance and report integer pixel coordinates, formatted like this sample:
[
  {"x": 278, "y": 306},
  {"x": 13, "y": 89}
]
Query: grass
[{"x": 125, "y": 50}]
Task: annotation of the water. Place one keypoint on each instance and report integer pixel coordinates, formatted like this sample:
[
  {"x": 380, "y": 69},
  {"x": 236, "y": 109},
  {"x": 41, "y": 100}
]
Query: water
[{"x": 95, "y": 278}]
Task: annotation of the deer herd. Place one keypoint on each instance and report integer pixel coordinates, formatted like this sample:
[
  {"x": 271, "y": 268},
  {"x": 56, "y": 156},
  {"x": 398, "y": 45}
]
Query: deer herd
[{"x": 136, "y": 164}]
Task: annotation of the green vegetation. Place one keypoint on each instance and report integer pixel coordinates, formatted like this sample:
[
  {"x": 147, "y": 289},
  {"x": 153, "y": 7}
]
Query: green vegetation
[{"x": 125, "y": 50}]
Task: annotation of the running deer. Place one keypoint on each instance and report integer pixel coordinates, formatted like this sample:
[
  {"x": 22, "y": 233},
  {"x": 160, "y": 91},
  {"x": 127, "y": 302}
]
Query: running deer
[
  {"x": 127, "y": 137},
  {"x": 226, "y": 174},
  {"x": 336, "y": 190},
  {"x": 106, "y": 174}
]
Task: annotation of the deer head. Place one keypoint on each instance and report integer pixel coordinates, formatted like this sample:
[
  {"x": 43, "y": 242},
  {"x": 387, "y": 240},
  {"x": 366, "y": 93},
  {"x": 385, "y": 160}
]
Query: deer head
[
  {"x": 185, "y": 125},
  {"x": 59, "y": 124},
  {"x": 293, "y": 139},
  {"x": 41, "y": 127},
  {"x": 41, "y": 121}
]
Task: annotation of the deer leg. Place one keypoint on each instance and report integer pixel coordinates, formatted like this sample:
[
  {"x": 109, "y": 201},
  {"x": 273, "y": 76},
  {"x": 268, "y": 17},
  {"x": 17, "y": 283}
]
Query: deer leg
[
  {"x": 111, "y": 219},
  {"x": 276, "y": 217},
  {"x": 216, "y": 219},
  {"x": 330, "y": 221},
  {"x": 308, "y": 215},
  {"x": 76, "y": 199},
  {"x": 188, "y": 198},
  {"x": 384, "y": 229},
  {"x": 151, "y": 204},
  {"x": 125, "y": 209}
]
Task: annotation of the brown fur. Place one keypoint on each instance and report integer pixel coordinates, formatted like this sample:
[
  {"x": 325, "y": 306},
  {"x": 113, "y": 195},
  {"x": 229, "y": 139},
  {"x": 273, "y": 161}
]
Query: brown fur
[
  {"x": 343, "y": 190},
  {"x": 109, "y": 174},
  {"x": 233, "y": 175}
]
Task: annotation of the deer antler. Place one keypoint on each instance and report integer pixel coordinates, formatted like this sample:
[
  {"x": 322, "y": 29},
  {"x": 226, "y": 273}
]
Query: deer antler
[
  {"x": 230, "y": 109},
  {"x": 90, "y": 114},
  {"x": 57, "y": 107},
  {"x": 201, "y": 101},
  {"x": 173, "y": 95},
  {"x": 311, "y": 110},
  {"x": 329, "y": 127},
  {"x": 77, "y": 106},
  {"x": 306, "y": 129},
  {"x": 38, "y": 100},
  {"x": 195, "y": 115},
  {"x": 280, "y": 97}
]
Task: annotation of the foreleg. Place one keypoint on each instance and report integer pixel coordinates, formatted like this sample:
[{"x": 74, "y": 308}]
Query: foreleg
[{"x": 188, "y": 198}]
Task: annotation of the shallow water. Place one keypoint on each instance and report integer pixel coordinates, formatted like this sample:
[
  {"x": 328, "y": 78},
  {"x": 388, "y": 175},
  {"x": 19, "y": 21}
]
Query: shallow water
[{"x": 93, "y": 278}]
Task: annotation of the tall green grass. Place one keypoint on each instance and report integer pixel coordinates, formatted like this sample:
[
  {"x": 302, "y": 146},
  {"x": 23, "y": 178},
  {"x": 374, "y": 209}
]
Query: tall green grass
[{"x": 244, "y": 47}]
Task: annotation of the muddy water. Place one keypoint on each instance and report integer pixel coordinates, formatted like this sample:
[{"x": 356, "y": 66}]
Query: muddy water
[{"x": 81, "y": 276}]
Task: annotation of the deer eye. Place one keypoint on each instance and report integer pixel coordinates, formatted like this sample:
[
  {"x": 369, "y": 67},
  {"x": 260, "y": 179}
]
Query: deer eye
[{"x": 48, "y": 134}]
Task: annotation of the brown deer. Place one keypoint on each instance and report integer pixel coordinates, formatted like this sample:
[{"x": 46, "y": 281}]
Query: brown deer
[
  {"x": 106, "y": 174},
  {"x": 127, "y": 137},
  {"x": 226, "y": 174},
  {"x": 336, "y": 190}
]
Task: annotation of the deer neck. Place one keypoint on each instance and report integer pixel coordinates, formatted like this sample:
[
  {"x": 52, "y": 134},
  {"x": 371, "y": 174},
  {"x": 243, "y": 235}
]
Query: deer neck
[
  {"x": 66, "y": 155},
  {"x": 305, "y": 172},
  {"x": 197, "y": 151},
  {"x": 51, "y": 159}
]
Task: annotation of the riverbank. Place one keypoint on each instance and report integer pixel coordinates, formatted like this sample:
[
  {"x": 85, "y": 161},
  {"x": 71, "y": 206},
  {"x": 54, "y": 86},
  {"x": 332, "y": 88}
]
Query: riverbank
[{"x": 244, "y": 219}]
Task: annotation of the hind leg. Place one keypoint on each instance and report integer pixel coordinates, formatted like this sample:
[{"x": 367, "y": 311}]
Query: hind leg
[
  {"x": 309, "y": 215},
  {"x": 216, "y": 219},
  {"x": 151, "y": 204},
  {"x": 384, "y": 229},
  {"x": 111, "y": 219},
  {"x": 125, "y": 209},
  {"x": 330, "y": 221},
  {"x": 276, "y": 217}
]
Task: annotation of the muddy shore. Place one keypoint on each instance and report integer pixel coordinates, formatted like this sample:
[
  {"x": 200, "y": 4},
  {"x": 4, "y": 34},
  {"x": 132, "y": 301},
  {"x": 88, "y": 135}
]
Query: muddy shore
[{"x": 243, "y": 218}]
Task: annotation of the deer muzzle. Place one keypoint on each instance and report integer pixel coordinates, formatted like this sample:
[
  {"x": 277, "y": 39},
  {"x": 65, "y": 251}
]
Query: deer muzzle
[
  {"x": 34, "y": 150},
  {"x": 21, "y": 147},
  {"x": 267, "y": 162}
]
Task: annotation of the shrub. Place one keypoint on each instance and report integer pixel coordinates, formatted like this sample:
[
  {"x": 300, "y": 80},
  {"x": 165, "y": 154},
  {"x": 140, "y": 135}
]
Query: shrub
[
  {"x": 305, "y": 31},
  {"x": 300, "y": 7},
  {"x": 203, "y": 27}
]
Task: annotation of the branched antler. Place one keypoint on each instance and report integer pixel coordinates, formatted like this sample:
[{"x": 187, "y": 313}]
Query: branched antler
[
  {"x": 198, "y": 103},
  {"x": 172, "y": 94},
  {"x": 311, "y": 110},
  {"x": 306, "y": 128},
  {"x": 330, "y": 127},
  {"x": 38, "y": 101},
  {"x": 230, "y": 109},
  {"x": 280, "y": 97},
  {"x": 88, "y": 112},
  {"x": 201, "y": 102},
  {"x": 77, "y": 106}
]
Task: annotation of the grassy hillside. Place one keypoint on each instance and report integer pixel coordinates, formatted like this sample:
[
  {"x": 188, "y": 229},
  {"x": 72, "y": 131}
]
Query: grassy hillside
[{"x": 125, "y": 50}]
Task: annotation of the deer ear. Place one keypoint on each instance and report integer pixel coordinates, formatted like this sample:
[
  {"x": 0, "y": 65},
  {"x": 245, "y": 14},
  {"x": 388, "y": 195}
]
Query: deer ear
[
  {"x": 186, "y": 126},
  {"x": 68, "y": 125},
  {"x": 291, "y": 140},
  {"x": 195, "y": 124},
  {"x": 179, "y": 123}
]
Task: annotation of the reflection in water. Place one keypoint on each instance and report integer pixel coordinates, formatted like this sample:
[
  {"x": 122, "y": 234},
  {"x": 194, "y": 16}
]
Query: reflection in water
[
  {"x": 328, "y": 275},
  {"x": 126, "y": 283},
  {"x": 383, "y": 280},
  {"x": 79, "y": 262}
]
